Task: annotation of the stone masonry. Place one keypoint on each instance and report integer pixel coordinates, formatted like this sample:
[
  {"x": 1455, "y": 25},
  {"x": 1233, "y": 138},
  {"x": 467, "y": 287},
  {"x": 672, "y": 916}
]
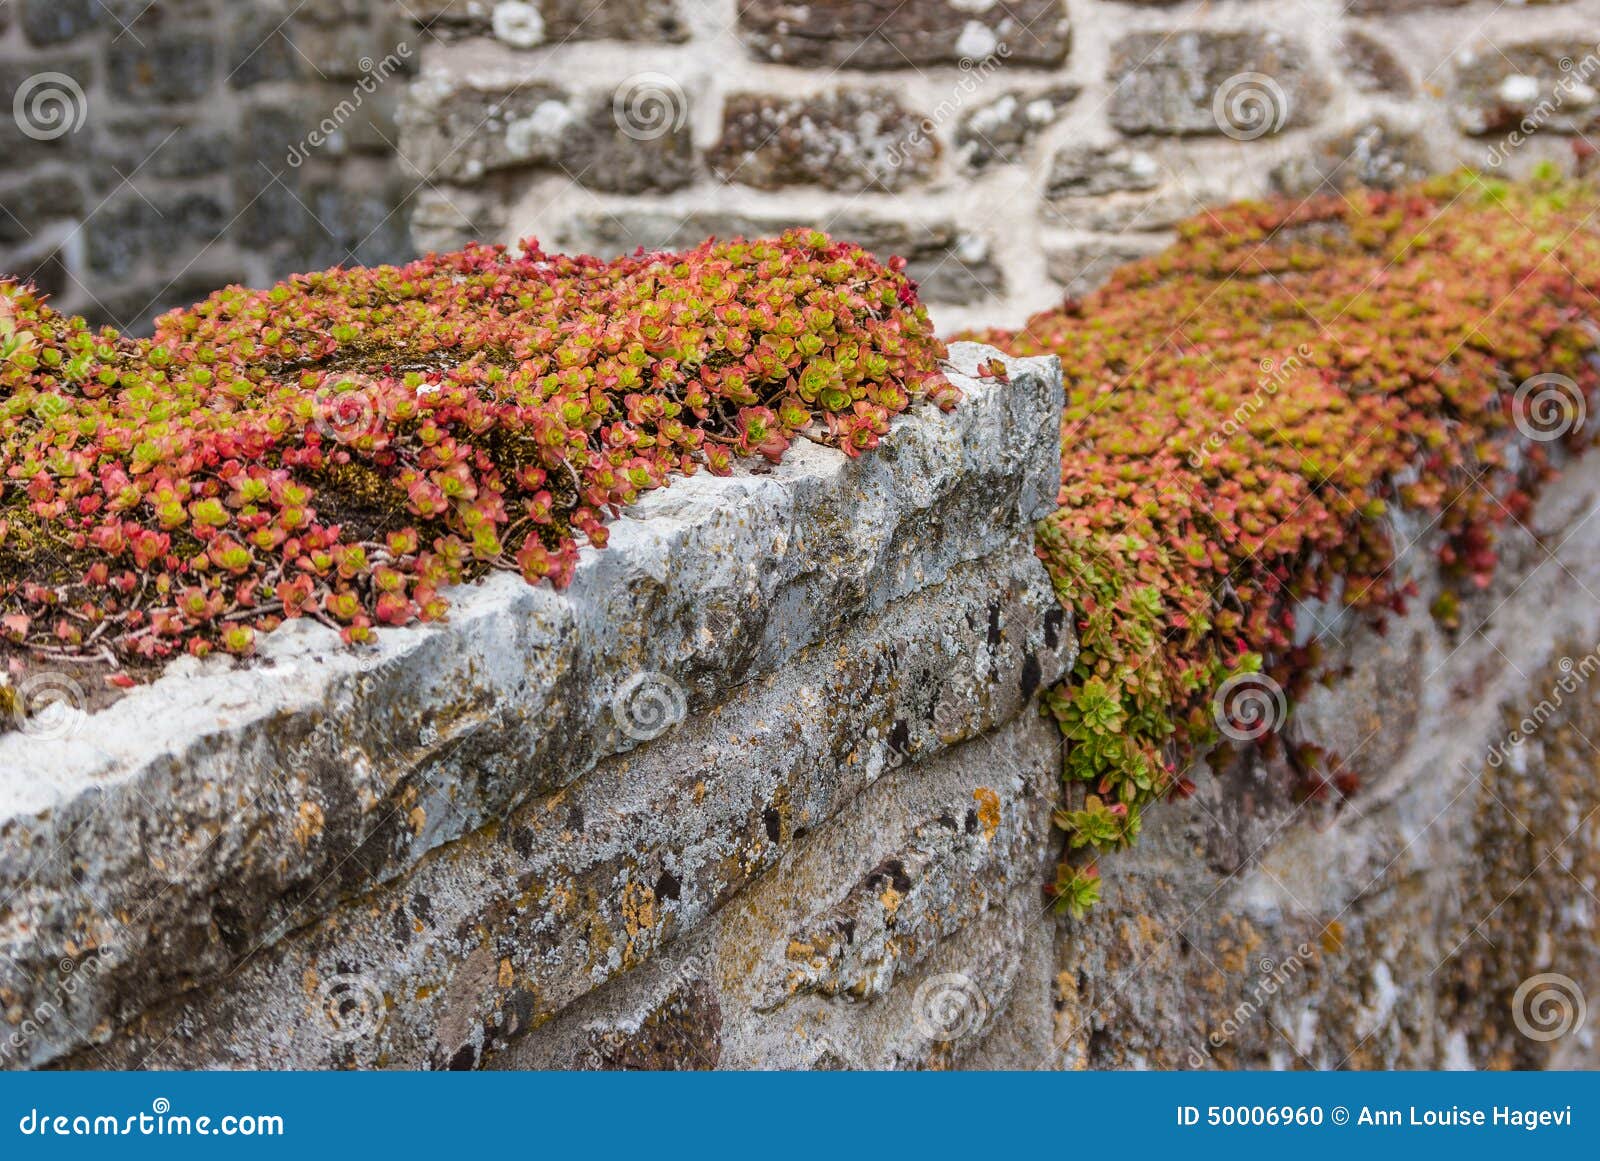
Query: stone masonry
[{"x": 1012, "y": 150}]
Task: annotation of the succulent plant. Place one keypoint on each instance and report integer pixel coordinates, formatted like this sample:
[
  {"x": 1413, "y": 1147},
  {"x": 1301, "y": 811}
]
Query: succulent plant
[
  {"x": 346, "y": 445},
  {"x": 1243, "y": 410}
]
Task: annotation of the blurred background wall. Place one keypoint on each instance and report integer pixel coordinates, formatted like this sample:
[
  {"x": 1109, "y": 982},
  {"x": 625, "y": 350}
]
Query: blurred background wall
[{"x": 1013, "y": 150}]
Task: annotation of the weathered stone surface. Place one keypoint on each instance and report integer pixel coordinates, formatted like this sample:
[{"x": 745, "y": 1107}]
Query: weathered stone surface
[
  {"x": 261, "y": 48},
  {"x": 845, "y": 139},
  {"x": 997, "y": 133},
  {"x": 1238, "y": 83},
  {"x": 454, "y": 130},
  {"x": 1375, "y": 154},
  {"x": 1082, "y": 266},
  {"x": 165, "y": 146},
  {"x": 874, "y": 34},
  {"x": 54, "y": 21},
  {"x": 1372, "y": 66},
  {"x": 949, "y": 264},
  {"x": 1101, "y": 169},
  {"x": 26, "y": 205},
  {"x": 132, "y": 229},
  {"x": 1534, "y": 85},
  {"x": 1116, "y": 212},
  {"x": 532, "y": 23},
  {"x": 163, "y": 69},
  {"x": 821, "y": 623}
]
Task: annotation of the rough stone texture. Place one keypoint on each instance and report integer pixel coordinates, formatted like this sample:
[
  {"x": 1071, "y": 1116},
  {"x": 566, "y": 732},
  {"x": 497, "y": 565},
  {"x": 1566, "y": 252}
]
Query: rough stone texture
[
  {"x": 845, "y": 139},
  {"x": 488, "y": 816},
  {"x": 1376, "y": 155},
  {"x": 194, "y": 105},
  {"x": 1372, "y": 66},
  {"x": 1538, "y": 79},
  {"x": 947, "y": 263},
  {"x": 889, "y": 34},
  {"x": 983, "y": 148},
  {"x": 1082, "y": 266},
  {"x": 1100, "y": 170},
  {"x": 459, "y": 130},
  {"x": 997, "y": 133},
  {"x": 1169, "y": 84},
  {"x": 552, "y": 22}
]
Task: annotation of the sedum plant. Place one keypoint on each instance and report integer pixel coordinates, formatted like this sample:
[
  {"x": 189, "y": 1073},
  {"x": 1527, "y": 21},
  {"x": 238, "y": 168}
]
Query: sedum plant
[
  {"x": 1245, "y": 409},
  {"x": 346, "y": 445}
]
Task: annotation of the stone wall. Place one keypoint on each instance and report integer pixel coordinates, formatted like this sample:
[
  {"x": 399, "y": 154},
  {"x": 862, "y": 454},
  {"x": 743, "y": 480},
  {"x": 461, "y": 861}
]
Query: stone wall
[
  {"x": 768, "y": 787},
  {"x": 1013, "y": 150},
  {"x": 155, "y": 150}
]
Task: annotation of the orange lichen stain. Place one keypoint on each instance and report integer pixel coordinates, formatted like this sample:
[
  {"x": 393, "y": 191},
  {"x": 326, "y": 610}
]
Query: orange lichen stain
[
  {"x": 699, "y": 792},
  {"x": 1332, "y": 938},
  {"x": 891, "y": 900},
  {"x": 799, "y": 949},
  {"x": 638, "y": 910},
  {"x": 507, "y": 976},
  {"x": 309, "y": 823},
  {"x": 418, "y": 818},
  {"x": 988, "y": 811},
  {"x": 309, "y": 981}
]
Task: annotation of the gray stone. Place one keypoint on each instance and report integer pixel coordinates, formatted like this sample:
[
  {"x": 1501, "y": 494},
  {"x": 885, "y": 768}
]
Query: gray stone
[
  {"x": 888, "y": 34},
  {"x": 260, "y": 47},
  {"x": 1375, "y": 155},
  {"x": 26, "y": 205},
  {"x": 451, "y": 130},
  {"x": 1084, "y": 266},
  {"x": 1533, "y": 86},
  {"x": 164, "y": 69},
  {"x": 1101, "y": 169},
  {"x": 552, "y": 22},
  {"x": 844, "y": 139},
  {"x": 998, "y": 133},
  {"x": 950, "y": 264},
  {"x": 1240, "y": 84},
  {"x": 55, "y": 124},
  {"x": 164, "y": 229},
  {"x": 164, "y": 146},
  {"x": 1372, "y": 66},
  {"x": 54, "y": 21}
]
